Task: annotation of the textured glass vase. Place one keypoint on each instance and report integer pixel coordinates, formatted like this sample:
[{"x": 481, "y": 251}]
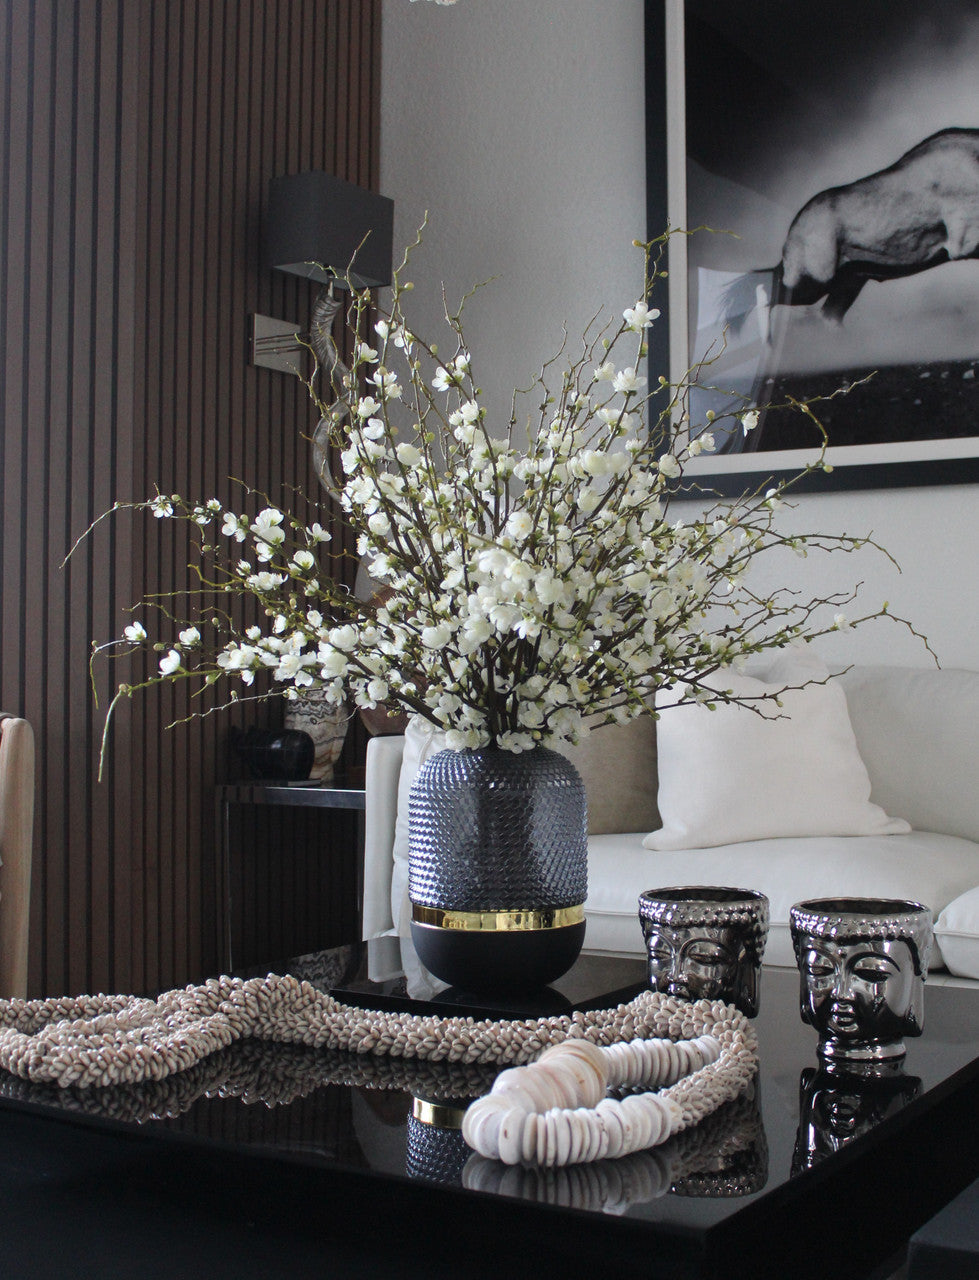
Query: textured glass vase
[{"x": 498, "y": 867}]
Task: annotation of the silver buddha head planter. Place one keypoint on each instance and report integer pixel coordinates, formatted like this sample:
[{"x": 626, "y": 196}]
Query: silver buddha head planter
[
  {"x": 705, "y": 942},
  {"x": 862, "y": 964}
]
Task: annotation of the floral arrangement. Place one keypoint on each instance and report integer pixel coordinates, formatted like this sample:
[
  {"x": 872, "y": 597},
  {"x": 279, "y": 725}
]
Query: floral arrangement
[{"x": 536, "y": 573}]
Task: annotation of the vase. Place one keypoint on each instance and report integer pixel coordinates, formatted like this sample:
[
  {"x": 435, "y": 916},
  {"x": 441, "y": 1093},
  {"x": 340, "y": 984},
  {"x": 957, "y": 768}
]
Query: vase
[
  {"x": 284, "y": 755},
  {"x": 706, "y": 942},
  {"x": 326, "y": 724},
  {"x": 862, "y": 965},
  {"x": 498, "y": 867}
]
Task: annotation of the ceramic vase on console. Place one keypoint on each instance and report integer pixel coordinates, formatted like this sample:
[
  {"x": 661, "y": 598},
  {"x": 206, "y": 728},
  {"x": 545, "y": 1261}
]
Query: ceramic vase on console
[
  {"x": 498, "y": 862},
  {"x": 325, "y": 723}
]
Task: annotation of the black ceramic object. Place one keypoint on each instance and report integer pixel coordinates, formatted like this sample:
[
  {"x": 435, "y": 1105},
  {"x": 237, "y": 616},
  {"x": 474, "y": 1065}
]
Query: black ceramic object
[{"x": 276, "y": 755}]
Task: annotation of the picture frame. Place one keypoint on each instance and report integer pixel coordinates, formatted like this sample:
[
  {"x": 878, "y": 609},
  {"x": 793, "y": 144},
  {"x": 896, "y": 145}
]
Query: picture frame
[{"x": 746, "y": 127}]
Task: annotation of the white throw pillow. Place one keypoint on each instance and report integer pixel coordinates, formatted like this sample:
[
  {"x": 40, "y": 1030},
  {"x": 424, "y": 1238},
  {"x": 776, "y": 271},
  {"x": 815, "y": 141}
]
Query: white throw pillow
[
  {"x": 732, "y": 774},
  {"x": 957, "y": 933}
]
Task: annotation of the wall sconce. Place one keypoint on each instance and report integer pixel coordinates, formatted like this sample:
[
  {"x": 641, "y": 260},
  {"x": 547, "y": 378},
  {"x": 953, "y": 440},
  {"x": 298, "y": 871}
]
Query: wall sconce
[{"x": 319, "y": 225}]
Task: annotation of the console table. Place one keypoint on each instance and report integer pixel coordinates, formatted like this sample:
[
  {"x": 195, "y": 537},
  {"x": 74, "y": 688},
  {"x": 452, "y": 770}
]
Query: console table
[
  {"x": 277, "y": 1160},
  {"x": 291, "y": 858}
]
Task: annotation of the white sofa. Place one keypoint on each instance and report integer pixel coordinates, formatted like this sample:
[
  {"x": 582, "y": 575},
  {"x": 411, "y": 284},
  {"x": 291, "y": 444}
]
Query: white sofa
[{"x": 916, "y": 733}]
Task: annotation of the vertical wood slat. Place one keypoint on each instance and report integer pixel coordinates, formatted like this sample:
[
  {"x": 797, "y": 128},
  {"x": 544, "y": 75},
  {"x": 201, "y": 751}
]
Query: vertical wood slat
[{"x": 137, "y": 144}]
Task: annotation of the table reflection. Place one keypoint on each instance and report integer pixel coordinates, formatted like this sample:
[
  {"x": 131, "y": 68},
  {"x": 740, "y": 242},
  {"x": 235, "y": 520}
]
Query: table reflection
[{"x": 838, "y": 1106}]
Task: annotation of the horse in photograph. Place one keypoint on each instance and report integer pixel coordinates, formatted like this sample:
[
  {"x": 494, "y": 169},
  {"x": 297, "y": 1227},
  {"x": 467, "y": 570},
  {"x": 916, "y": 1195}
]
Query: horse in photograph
[{"x": 920, "y": 212}]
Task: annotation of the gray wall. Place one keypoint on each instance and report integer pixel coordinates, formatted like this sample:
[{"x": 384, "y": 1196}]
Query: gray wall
[{"x": 519, "y": 127}]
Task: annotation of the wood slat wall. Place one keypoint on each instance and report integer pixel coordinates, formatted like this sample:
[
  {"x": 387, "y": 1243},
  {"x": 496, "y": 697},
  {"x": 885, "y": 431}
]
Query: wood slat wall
[{"x": 136, "y": 145}]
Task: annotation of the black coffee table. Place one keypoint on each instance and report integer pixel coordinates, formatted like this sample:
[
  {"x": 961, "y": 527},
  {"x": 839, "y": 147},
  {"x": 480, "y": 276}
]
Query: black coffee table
[{"x": 276, "y": 1160}]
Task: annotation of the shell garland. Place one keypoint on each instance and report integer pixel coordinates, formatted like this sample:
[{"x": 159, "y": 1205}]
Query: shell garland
[{"x": 707, "y": 1049}]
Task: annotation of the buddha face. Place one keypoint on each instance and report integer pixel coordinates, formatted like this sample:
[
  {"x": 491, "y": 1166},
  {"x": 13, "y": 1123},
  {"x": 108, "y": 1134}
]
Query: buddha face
[
  {"x": 696, "y": 962},
  {"x": 861, "y": 996}
]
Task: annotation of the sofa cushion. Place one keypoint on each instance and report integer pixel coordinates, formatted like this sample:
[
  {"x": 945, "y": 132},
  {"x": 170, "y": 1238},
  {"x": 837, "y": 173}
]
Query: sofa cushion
[
  {"x": 916, "y": 732},
  {"x": 922, "y": 866},
  {"x": 617, "y": 763},
  {"x": 770, "y": 769},
  {"x": 957, "y": 932}
]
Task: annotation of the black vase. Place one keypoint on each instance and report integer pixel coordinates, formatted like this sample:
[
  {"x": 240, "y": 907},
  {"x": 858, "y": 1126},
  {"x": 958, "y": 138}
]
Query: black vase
[
  {"x": 276, "y": 755},
  {"x": 498, "y": 864}
]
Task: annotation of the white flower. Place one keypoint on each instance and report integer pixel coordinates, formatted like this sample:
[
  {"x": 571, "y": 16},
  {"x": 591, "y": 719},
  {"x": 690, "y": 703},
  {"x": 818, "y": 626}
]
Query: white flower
[
  {"x": 318, "y": 534},
  {"x": 468, "y": 412},
  {"x": 597, "y": 463},
  {"x": 189, "y": 637},
  {"x": 170, "y": 664},
  {"x": 841, "y": 622},
  {"x": 627, "y": 381},
  {"x": 436, "y": 637},
  {"x": 396, "y": 333},
  {"x": 377, "y": 690},
  {"x": 344, "y": 637},
  {"x": 703, "y": 443},
  {"x": 639, "y": 317},
  {"x": 668, "y": 465},
  {"x": 292, "y": 666},
  {"x": 367, "y": 407},
  {"x": 304, "y": 561},
  {"x": 605, "y": 372},
  {"x": 135, "y": 632},
  {"x": 234, "y": 526},
  {"x": 238, "y": 659},
  {"x": 387, "y": 384},
  {"x": 749, "y": 421},
  {"x": 266, "y": 524},
  {"x": 332, "y": 662},
  {"x": 519, "y": 525},
  {"x": 265, "y": 581},
  {"x": 408, "y": 455},
  {"x": 161, "y": 506}
]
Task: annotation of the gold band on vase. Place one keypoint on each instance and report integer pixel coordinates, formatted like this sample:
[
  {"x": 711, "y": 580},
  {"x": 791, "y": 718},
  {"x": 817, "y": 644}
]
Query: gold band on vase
[
  {"x": 441, "y": 1115},
  {"x": 522, "y": 920}
]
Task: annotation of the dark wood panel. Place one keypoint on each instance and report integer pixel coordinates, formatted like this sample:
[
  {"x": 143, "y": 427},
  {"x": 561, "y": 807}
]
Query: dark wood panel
[
  {"x": 138, "y": 141},
  {"x": 293, "y": 876}
]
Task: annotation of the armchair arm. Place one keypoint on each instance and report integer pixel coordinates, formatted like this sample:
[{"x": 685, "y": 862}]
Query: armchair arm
[
  {"x": 16, "y": 835},
  {"x": 381, "y": 785}
]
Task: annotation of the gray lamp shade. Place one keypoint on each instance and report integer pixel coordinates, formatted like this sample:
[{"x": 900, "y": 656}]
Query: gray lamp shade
[{"x": 317, "y": 221}]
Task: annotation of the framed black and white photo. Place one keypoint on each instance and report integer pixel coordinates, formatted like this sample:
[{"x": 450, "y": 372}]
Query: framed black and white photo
[{"x": 833, "y": 150}]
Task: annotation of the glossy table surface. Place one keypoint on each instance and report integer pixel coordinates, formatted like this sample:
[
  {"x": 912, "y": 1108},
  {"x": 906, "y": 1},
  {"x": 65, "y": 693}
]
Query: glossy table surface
[{"x": 808, "y": 1173}]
